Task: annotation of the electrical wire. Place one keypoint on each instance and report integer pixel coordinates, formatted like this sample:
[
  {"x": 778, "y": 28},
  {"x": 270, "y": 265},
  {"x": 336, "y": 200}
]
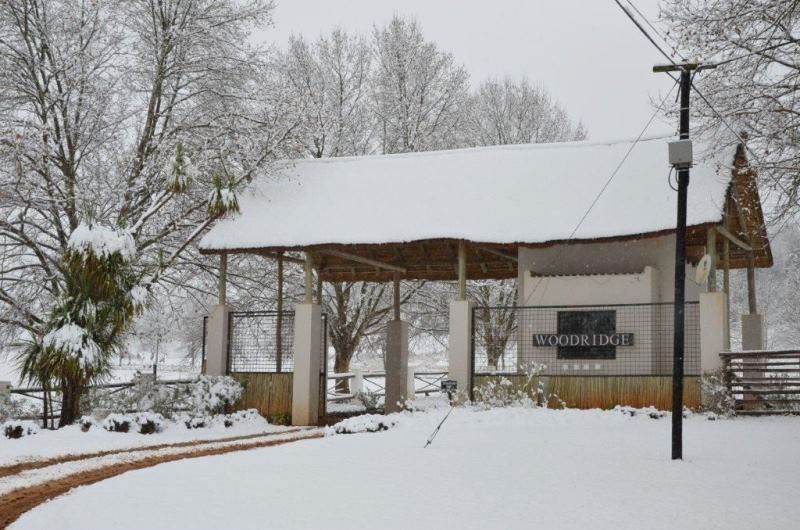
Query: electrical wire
[{"x": 605, "y": 185}]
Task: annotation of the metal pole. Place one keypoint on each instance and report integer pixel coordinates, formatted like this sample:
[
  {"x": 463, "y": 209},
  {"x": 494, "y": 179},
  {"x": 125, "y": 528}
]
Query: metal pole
[
  {"x": 680, "y": 281},
  {"x": 279, "y": 318}
]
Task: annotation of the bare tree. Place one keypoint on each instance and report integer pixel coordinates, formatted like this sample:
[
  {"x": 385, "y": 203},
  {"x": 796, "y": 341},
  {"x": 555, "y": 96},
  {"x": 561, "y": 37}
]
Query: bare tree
[{"x": 756, "y": 86}]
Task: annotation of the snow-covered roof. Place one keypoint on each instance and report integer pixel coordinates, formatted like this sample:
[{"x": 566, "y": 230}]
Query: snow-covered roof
[{"x": 505, "y": 194}]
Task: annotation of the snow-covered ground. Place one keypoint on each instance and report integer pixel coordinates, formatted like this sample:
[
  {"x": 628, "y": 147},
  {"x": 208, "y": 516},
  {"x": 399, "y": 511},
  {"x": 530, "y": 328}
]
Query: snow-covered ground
[
  {"x": 72, "y": 441},
  {"x": 503, "y": 468}
]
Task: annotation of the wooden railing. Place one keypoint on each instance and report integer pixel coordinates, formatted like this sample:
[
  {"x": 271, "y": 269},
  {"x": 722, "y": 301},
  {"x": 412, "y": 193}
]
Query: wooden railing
[
  {"x": 374, "y": 382},
  {"x": 764, "y": 382}
]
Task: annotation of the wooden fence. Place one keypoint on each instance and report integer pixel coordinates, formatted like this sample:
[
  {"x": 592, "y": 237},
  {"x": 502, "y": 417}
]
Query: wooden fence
[{"x": 764, "y": 382}]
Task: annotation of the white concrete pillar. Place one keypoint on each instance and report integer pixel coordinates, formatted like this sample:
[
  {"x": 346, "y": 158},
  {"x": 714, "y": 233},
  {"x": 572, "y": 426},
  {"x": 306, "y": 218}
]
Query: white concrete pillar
[
  {"x": 357, "y": 383},
  {"x": 713, "y": 330},
  {"x": 753, "y": 332},
  {"x": 396, "y": 365},
  {"x": 460, "y": 345},
  {"x": 411, "y": 383},
  {"x": 307, "y": 364},
  {"x": 217, "y": 340}
]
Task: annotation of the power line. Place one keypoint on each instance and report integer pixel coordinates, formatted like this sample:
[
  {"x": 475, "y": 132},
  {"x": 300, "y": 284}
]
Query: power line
[
  {"x": 656, "y": 30},
  {"x": 700, "y": 93},
  {"x": 606, "y": 185},
  {"x": 644, "y": 31}
]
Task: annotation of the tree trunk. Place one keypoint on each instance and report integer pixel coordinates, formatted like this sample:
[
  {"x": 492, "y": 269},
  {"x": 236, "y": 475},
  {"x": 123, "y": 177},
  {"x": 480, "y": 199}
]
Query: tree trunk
[
  {"x": 71, "y": 392},
  {"x": 341, "y": 365}
]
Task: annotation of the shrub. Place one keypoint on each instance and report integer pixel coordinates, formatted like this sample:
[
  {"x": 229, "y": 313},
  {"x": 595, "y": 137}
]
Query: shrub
[
  {"x": 86, "y": 423},
  {"x": 149, "y": 422},
  {"x": 117, "y": 423},
  {"x": 197, "y": 422},
  {"x": 211, "y": 394},
  {"x": 14, "y": 407},
  {"x": 716, "y": 397},
  {"x": 364, "y": 423},
  {"x": 525, "y": 390},
  {"x": 15, "y": 429}
]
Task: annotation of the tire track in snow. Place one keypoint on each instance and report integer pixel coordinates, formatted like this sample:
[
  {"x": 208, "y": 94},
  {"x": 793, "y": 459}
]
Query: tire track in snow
[{"x": 44, "y": 487}]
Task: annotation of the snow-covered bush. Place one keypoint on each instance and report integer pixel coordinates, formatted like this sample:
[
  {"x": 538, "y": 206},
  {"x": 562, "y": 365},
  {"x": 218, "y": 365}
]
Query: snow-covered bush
[
  {"x": 525, "y": 390},
  {"x": 364, "y": 423},
  {"x": 86, "y": 423},
  {"x": 197, "y": 422},
  {"x": 14, "y": 407},
  {"x": 117, "y": 423},
  {"x": 17, "y": 429},
  {"x": 211, "y": 394},
  {"x": 204, "y": 396},
  {"x": 149, "y": 422},
  {"x": 716, "y": 396}
]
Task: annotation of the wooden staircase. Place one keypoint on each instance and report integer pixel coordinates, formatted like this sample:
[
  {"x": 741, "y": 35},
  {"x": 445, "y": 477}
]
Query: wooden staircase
[{"x": 763, "y": 382}]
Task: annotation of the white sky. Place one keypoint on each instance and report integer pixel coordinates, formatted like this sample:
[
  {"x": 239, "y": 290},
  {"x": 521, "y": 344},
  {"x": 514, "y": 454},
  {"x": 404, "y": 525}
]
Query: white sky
[{"x": 585, "y": 52}]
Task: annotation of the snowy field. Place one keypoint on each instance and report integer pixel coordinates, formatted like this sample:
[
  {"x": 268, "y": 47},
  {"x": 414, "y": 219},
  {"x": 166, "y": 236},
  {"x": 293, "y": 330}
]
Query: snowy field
[{"x": 505, "y": 468}]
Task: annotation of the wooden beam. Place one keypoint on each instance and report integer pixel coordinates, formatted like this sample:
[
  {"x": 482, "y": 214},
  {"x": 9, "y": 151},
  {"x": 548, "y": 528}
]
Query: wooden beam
[
  {"x": 223, "y": 279},
  {"x": 462, "y": 270},
  {"x": 711, "y": 249},
  {"x": 396, "y": 281},
  {"x": 363, "y": 260},
  {"x": 733, "y": 239},
  {"x": 309, "y": 277},
  {"x": 499, "y": 253}
]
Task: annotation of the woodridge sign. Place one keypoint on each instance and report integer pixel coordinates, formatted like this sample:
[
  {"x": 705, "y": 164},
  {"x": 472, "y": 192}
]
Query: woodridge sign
[{"x": 582, "y": 339}]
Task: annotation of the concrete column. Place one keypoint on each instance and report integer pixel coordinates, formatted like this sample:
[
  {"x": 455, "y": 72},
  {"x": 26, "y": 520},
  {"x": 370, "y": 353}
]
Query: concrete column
[
  {"x": 411, "y": 383},
  {"x": 357, "y": 383},
  {"x": 753, "y": 332},
  {"x": 713, "y": 330},
  {"x": 396, "y": 365},
  {"x": 307, "y": 359},
  {"x": 460, "y": 345},
  {"x": 217, "y": 340}
]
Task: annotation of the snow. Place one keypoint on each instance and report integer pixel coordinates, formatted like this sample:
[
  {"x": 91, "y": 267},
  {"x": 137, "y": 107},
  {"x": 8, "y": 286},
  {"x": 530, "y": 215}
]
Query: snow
[
  {"x": 505, "y": 194},
  {"x": 73, "y": 340},
  {"x": 102, "y": 241},
  {"x": 510, "y": 468},
  {"x": 72, "y": 441}
]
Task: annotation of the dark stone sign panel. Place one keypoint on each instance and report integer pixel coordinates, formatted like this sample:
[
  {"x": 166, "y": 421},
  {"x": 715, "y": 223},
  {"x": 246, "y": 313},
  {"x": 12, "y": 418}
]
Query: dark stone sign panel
[{"x": 585, "y": 335}]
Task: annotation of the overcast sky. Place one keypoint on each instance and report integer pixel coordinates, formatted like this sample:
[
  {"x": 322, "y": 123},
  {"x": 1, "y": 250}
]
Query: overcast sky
[{"x": 585, "y": 52}]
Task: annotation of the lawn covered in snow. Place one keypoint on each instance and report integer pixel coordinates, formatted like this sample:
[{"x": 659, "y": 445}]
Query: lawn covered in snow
[
  {"x": 72, "y": 441},
  {"x": 510, "y": 468}
]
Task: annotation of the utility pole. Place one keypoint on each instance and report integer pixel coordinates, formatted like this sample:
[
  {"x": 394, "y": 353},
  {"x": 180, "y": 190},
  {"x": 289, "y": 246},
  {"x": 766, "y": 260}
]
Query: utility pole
[{"x": 681, "y": 158}]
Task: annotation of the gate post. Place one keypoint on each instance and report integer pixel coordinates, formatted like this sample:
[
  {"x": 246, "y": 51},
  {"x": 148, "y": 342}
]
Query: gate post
[
  {"x": 459, "y": 350},
  {"x": 307, "y": 347},
  {"x": 396, "y": 365},
  {"x": 714, "y": 333},
  {"x": 217, "y": 340}
]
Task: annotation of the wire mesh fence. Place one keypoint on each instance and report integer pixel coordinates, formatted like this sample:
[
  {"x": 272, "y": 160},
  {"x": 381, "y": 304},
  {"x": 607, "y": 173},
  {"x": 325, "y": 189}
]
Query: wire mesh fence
[
  {"x": 629, "y": 339},
  {"x": 263, "y": 341}
]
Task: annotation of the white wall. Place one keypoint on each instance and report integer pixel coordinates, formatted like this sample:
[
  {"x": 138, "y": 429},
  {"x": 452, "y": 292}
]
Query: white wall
[{"x": 625, "y": 272}]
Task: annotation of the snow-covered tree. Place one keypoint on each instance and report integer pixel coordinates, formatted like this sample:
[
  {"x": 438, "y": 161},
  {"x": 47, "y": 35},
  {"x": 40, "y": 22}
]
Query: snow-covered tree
[
  {"x": 756, "y": 86},
  {"x": 128, "y": 116},
  {"x": 418, "y": 91},
  {"x": 331, "y": 78},
  {"x": 516, "y": 112}
]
